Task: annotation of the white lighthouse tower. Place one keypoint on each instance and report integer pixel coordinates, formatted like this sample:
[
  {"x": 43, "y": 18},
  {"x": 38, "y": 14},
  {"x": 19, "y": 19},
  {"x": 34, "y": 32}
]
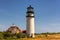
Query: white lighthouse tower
[{"x": 30, "y": 21}]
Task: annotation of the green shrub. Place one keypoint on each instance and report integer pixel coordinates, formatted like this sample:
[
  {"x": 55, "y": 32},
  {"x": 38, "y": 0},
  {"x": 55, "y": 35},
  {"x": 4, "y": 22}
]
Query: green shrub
[
  {"x": 21, "y": 35},
  {"x": 1, "y": 35},
  {"x": 7, "y": 35}
]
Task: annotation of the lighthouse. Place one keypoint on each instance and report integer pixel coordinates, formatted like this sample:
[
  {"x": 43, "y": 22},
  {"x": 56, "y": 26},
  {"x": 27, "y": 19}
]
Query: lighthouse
[{"x": 30, "y": 21}]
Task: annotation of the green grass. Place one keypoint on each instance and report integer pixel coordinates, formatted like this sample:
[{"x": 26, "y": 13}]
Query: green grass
[
  {"x": 19, "y": 39},
  {"x": 38, "y": 37}
]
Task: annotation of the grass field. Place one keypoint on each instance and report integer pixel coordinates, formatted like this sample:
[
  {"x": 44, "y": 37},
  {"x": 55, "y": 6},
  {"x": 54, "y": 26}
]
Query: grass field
[
  {"x": 33, "y": 39},
  {"x": 40, "y": 37}
]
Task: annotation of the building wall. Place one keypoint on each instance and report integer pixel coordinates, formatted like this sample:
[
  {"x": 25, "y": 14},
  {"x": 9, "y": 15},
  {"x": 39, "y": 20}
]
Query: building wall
[{"x": 30, "y": 26}]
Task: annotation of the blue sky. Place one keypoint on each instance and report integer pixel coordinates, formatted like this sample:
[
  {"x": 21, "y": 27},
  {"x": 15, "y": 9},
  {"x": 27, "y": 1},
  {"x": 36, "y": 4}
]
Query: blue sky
[{"x": 47, "y": 14}]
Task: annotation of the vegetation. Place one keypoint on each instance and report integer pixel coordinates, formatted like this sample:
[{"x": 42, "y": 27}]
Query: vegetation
[
  {"x": 7, "y": 35},
  {"x": 22, "y": 36}
]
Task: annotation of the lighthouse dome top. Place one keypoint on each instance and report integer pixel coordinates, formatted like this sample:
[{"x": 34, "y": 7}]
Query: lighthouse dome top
[{"x": 30, "y": 7}]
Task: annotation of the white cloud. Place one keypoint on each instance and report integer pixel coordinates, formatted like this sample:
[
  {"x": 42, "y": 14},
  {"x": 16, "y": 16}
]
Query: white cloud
[{"x": 3, "y": 27}]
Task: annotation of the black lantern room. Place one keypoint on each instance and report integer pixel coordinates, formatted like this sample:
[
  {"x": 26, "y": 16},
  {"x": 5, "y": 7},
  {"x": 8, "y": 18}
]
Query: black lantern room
[{"x": 30, "y": 12}]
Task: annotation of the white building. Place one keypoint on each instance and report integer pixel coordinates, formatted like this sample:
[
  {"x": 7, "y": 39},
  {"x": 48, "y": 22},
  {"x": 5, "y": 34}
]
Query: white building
[{"x": 30, "y": 21}]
